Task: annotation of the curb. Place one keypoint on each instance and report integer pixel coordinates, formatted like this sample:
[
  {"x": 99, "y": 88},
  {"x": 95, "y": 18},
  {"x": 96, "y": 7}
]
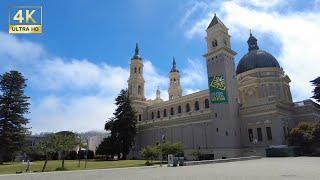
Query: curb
[{"x": 191, "y": 163}]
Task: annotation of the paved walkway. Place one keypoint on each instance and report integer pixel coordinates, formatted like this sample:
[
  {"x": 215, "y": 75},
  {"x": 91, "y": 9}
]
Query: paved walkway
[{"x": 305, "y": 168}]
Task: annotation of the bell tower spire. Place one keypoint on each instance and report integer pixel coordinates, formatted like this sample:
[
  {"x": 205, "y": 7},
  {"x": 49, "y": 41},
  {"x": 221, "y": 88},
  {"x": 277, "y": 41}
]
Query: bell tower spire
[
  {"x": 175, "y": 90},
  {"x": 136, "y": 80}
]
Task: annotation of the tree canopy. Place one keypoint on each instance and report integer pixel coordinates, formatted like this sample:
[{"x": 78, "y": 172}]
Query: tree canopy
[
  {"x": 306, "y": 136},
  {"x": 63, "y": 142}
]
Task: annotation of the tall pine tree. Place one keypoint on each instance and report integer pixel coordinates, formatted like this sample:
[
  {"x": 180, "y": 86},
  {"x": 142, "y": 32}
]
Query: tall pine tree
[
  {"x": 122, "y": 125},
  {"x": 316, "y": 91},
  {"x": 13, "y": 106}
]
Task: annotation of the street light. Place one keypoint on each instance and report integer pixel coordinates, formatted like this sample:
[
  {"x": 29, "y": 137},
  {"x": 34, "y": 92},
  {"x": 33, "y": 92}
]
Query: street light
[{"x": 162, "y": 140}]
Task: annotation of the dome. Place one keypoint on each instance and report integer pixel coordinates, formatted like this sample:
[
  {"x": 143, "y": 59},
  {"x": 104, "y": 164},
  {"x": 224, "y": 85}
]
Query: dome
[{"x": 256, "y": 58}]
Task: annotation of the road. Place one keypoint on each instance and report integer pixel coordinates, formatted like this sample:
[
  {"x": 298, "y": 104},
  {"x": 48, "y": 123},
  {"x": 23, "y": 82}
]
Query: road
[{"x": 306, "y": 168}]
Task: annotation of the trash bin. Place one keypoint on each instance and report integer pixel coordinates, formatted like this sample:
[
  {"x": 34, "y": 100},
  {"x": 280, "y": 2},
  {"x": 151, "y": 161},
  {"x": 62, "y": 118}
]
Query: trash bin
[{"x": 175, "y": 161}]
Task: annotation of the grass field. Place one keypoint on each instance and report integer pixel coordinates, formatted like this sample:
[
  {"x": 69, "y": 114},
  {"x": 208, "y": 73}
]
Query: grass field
[{"x": 36, "y": 166}]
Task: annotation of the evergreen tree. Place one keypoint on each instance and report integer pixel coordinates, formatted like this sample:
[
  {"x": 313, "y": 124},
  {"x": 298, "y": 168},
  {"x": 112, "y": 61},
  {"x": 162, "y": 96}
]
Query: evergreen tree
[
  {"x": 123, "y": 124},
  {"x": 108, "y": 147},
  {"x": 316, "y": 91},
  {"x": 13, "y": 106}
]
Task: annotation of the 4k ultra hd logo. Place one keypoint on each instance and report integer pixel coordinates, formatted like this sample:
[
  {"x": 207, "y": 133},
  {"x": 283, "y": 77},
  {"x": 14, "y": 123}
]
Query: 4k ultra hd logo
[{"x": 25, "y": 20}]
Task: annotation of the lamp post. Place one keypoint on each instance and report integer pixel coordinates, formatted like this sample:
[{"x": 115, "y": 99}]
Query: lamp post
[{"x": 162, "y": 140}]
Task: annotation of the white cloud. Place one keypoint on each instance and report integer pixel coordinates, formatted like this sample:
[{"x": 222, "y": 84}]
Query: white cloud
[
  {"x": 78, "y": 114},
  {"x": 190, "y": 91},
  {"x": 265, "y": 3},
  {"x": 194, "y": 7},
  {"x": 16, "y": 52},
  {"x": 295, "y": 32},
  {"x": 153, "y": 79},
  {"x": 194, "y": 74},
  {"x": 59, "y": 74}
]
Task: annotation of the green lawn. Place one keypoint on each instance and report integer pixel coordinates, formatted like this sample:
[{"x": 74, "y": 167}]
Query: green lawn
[{"x": 36, "y": 166}]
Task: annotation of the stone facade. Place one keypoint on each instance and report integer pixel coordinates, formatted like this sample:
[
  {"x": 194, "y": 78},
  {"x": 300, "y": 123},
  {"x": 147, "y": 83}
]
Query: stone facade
[{"x": 258, "y": 111}]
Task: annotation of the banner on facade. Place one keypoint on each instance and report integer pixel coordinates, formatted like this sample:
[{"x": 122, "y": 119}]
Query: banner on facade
[{"x": 218, "y": 92}]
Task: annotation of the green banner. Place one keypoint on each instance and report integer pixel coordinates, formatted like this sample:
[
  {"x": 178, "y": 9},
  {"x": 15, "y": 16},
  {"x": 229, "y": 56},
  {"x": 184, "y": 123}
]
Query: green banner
[{"x": 218, "y": 92}]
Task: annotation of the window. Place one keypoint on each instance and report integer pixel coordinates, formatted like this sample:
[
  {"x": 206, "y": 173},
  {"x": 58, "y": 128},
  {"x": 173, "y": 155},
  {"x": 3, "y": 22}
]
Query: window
[
  {"x": 188, "y": 107},
  {"x": 139, "y": 117},
  {"x": 227, "y": 134},
  {"x": 215, "y": 115},
  {"x": 259, "y": 132},
  {"x": 152, "y": 115},
  {"x": 158, "y": 114},
  {"x": 139, "y": 70},
  {"x": 250, "y": 132},
  {"x": 217, "y": 129},
  {"x": 172, "y": 111},
  {"x": 196, "y": 106},
  {"x": 285, "y": 132},
  {"x": 139, "y": 90},
  {"x": 206, "y": 103},
  {"x": 214, "y": 43},
  {"x": 135, "y": 69},
  {"x": 269, "y": 133},
  {"x": 179, "y": 109},
  {"x": 165, "y": 113}
]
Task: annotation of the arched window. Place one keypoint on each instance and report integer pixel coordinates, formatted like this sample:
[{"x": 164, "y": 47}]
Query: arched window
[
  {"x": 152, "y": 115},
  {"x": 172, "y": 111},
  {"x": 188, "y": 107},
  {"x": 158, "y": 114},
  {"x": 206, "y": 103},
  {"x": 140, "y": 117},
  {"x": 135, "y": 69},
  {"x": 165, "y": 113},
  {"x": 139, "y": 90},
  {"x": 139, "y": 70},
  {"x": 214, "y": 43},
  {"x": 130, "y": 90},
  {"x": 196, "y": 106},
  {"x": 179, "y": 109}
]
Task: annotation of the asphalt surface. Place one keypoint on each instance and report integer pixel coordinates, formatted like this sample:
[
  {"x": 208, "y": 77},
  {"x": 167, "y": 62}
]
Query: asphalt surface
[{"x": 305, "y": 168}]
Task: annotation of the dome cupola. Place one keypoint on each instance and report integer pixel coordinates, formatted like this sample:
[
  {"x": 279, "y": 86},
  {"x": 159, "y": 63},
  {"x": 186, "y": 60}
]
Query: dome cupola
[{"x": 255, "y": 58}]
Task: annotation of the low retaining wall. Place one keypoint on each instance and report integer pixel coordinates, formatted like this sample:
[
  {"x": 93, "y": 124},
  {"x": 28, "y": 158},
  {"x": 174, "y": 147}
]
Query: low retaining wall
[{"x": 190, "y": 163}]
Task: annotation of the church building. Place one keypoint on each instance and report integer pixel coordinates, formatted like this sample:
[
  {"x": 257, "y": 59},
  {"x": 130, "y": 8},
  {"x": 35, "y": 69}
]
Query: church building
[{"x": 244, "y": 110}]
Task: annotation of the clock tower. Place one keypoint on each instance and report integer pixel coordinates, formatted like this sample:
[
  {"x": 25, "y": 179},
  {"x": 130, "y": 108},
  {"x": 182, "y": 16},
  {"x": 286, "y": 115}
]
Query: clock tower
[{"x": 223, "y": 88}]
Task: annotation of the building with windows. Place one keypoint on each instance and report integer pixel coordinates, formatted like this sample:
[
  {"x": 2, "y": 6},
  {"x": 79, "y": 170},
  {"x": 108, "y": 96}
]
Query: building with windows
[{"x": 244, "y": 110}]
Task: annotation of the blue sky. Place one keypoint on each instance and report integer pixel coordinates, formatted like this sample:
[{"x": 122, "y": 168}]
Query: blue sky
[{"x": 80, "y": 62}]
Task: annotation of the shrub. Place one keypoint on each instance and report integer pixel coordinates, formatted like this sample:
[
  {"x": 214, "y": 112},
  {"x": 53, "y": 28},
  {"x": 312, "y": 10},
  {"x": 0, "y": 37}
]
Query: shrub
[
  {"x": 150, "y": 153},
  {"x": 306, "y": 136},
  {"x": 196, "y": 154}
]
